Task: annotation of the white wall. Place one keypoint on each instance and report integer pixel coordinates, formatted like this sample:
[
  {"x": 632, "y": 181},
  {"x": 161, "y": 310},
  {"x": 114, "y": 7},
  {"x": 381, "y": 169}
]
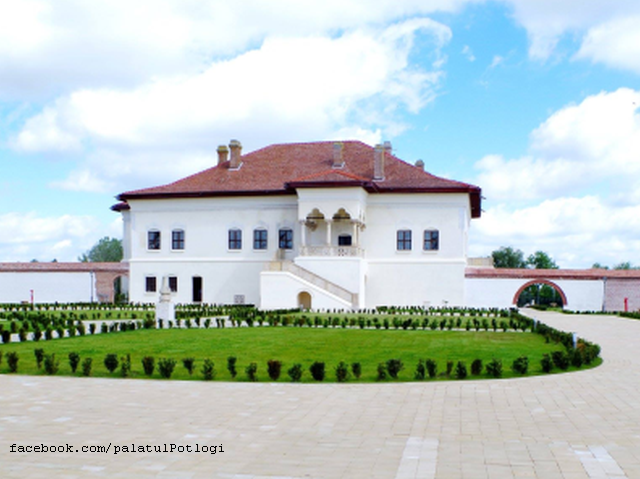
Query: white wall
[
  {"x": 582, "y": 295},
  {"x": 206, "y": 222},
  {"x": 384, "y": 276},
  {"x": 417, "y": 284},
  {"x": 280, "y": 289},
  {"x": 48, "y": 287}
]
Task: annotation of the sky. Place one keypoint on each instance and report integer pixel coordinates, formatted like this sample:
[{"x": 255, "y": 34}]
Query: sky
[{"x": 535, "y": 101}]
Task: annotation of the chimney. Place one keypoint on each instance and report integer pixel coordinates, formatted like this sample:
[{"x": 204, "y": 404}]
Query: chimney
[
  {"x": 338, "y": 161},
  {"x": 236, "y": 153},
  {"x": 420, "y": 164},
  {"x": 378, "y": 163},
  {"x": 387, "y": 147},
  {"x": 223, "y": 154}
]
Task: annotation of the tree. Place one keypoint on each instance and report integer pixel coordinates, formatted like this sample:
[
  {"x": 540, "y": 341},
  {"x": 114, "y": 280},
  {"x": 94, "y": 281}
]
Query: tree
[
  {"x": 625, "y": 265},
  {"x": 507, "y": 257},
  {"x": 107, "y": 250},
  {"x": 541, "y": 260},
  {"x": 599, "y": 266}
]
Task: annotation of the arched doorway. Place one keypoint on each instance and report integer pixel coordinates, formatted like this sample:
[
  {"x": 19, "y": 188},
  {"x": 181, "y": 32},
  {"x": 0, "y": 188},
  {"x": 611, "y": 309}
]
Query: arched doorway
[
  {"x": 304, "y": 300},
  {"x": 542, "y": 292}
]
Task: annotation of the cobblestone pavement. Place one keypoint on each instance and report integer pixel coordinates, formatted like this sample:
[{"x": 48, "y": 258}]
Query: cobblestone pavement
[{"x": 577, "y": 425}]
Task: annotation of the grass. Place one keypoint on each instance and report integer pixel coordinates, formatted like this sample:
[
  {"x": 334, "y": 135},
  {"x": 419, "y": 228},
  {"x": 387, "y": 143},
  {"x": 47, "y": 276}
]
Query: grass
[{"x": 289, "y": 345}]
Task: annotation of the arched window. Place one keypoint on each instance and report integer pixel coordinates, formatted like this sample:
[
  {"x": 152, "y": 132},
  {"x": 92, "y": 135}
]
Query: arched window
[
  {"x": 285, "y": 238},
  {"x": 403, "y": 240},
  {"x": 153, "y": 239},
  {"x": 260, "y": 239},
  {"x": 235, "y": 239},
  {"x": 177, "y": 239},
  {"x": 431, "y": 240}
]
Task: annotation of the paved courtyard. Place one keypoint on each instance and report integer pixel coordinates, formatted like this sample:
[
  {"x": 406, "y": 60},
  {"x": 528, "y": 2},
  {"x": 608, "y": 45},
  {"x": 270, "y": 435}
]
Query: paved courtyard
[{"x": 579, "y": 425}]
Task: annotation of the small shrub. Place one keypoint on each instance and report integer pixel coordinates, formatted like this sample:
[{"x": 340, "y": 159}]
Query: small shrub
[
  {"x": 86, "y": 366},
  {"x": 546, "y": 363},
  {"x": 356, "y": 369},
  {"x": 148, "y": 364},
  {"x": 381, "y": 372},
  {"x": 461, "y": 370},
  {"x": 576, "y": 358},
  {"x": 449, "y": 369},
  {"x": 92, "y": 328},
  {"x": 104, "y": 328},
  {"x": 74, "y": 360},
  {"x": 12, "y": 361},
  {"x": 317, "y": 371},
  {"x": 51, "y": 364},
  {"x": 274, "y": 368},
  {"x": 494, "y": 368},
  {"x": 432, "y": 368},
  {"x": 125, "y": 366},
  {"x": 394, "y": 366},
  {"x": 295, "y": 372},
  {"x": 421, "y": 371},
  {"x": 560, "y": 359},
  {"x": 111, "y": 362},
  {"x": 231, "y": 366},
  {"x": 39, "y": 354},
  {"x": 189, "y": 364},
  {"x": 521, "y": 365},
  {"x": 476, "y": 367},
  {"x": 6, "y": 336},
  {"x": 342, "y": 372},
  {"x": 252, "y": 371},
  {"x": 208, "y": 369},
  {"x": 166, "y": 366}
]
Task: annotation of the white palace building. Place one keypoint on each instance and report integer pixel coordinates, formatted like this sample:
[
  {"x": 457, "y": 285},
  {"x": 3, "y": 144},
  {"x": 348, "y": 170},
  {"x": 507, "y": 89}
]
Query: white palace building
[{"x": 318, "y": 225}]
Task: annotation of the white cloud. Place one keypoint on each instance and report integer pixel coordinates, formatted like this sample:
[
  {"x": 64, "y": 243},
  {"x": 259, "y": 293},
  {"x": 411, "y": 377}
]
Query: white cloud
[
  {"x": 576, "y": 147},
  {"x": 468, "y": 53},
  {"x": 607, "y": 31},
  {"x": 615, "y": 43},
  {"x": 576, "y": 232},
  {"x": 497, "y": 60},
  {"x": 56, "y": 46},
  {"x": 290, "y": 89},
  {"x": 537, "y": 202},
  {"x": 24, "y": 237}
]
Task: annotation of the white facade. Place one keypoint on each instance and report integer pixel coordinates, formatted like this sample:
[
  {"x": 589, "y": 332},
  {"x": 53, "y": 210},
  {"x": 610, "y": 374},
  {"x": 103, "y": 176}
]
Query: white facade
[
  {"x": 582, "y": 294},
  {"x": 47, "y": 287},
  {"x": 369, "y": 272}
]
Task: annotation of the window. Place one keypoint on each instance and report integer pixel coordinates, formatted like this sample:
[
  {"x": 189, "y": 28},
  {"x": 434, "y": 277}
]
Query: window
[
  {"x": 153, "y": 239},
  {"x": 404, "y": 240},
  {"x": 235, "y": 239},
  {"x": 344, "y": 240},
  {"x": 260, "y": 239},
  {"x": 150, "y": 284},
  {"x": 285, "y": 238},
  {"x": 177, "y": 239},
  {"x": 173, "y": 284},
  {"x": 431, "y": 240}
]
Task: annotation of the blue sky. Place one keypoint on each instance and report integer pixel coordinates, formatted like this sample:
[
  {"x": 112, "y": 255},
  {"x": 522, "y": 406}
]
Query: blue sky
[{"x": 535, "y": 101}]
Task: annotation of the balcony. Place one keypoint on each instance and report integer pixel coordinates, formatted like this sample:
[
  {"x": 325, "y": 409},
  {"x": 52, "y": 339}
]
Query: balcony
[{"x": 332, "y": 251}]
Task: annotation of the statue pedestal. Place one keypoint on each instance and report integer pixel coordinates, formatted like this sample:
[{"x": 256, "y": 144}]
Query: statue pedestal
[{"x": 165, "y": 309}]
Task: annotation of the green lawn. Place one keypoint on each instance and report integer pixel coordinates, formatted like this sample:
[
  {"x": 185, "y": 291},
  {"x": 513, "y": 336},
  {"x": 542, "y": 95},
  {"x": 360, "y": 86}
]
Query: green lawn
[{"x": 289, "y": 345}]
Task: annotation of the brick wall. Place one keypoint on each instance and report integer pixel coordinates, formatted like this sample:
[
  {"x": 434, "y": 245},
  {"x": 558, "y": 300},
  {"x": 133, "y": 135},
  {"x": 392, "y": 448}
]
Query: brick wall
[{"x": 616, "y": 289}]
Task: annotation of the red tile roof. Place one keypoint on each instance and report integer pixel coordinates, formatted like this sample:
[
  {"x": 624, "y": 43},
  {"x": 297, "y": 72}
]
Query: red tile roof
[
  {"x": 63, "y": 267},
  {"x": 525, "y": 273},
  {"x": 279, "y": 169}
]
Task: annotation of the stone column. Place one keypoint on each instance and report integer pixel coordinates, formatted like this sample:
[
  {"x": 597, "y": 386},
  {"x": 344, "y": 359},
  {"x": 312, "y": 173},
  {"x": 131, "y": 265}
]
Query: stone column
[
  {"x": 303, "y": 232},
  {"x": 329, "y": 232}
]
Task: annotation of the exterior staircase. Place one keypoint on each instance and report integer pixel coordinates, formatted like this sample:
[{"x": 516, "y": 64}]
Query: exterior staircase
[{"x": 316, "y": 280}]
